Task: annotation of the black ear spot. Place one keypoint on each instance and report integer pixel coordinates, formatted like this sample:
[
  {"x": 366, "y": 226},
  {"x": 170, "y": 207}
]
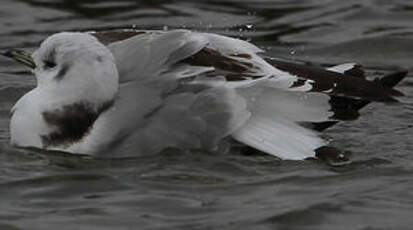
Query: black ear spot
[
  {"x": 49, "y": 64},
  {"x": 62, "y": 72}
]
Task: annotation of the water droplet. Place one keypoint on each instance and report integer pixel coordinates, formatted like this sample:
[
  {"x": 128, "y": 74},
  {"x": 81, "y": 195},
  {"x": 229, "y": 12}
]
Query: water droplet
[
  {"x": 249, "y": 26},
  {"x": 292, "y": 52}
]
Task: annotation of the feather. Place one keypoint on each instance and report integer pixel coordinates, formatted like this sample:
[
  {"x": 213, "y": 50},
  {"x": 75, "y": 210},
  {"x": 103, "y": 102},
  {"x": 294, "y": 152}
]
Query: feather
[
  {"x": 279, "y": 137},
  {"x": 274, "y": 124},
  {"x": 342, "y": 68},
  {"x": 145, "y": 56}
]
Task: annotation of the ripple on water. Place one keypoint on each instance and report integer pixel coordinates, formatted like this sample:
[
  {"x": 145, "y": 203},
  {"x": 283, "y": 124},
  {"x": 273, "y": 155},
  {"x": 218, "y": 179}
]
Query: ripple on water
[{"x": 198, "y": 190}]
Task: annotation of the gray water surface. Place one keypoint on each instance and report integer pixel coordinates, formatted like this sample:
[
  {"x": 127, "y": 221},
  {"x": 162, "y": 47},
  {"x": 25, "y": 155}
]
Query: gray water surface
[{"x": 198, "y": 190}]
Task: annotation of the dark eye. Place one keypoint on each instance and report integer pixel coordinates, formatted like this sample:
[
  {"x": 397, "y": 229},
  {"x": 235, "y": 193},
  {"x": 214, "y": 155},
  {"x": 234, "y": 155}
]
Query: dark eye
[{"x": 49, "y": 64}]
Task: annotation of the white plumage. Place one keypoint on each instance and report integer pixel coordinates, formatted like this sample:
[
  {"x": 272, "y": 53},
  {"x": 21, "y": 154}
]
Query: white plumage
[{"x": 151, "y": 91}]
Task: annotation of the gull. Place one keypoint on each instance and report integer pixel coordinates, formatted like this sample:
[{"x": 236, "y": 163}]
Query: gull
[{"x": 131, "y": 93}]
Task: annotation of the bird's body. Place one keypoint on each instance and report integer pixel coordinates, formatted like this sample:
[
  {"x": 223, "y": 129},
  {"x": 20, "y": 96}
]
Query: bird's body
[{"x": 146, "y": 91}]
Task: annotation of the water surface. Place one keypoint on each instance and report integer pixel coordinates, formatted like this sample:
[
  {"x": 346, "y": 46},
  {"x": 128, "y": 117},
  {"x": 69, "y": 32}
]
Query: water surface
[{"x": 198, "y": 190}]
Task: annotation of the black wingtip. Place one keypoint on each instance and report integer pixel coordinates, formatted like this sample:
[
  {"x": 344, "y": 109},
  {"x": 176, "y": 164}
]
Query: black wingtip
[
  {"x": 333, "y": 156},
  {"x": 356, "y": 71},
  {"x": 393, "y": 79}
]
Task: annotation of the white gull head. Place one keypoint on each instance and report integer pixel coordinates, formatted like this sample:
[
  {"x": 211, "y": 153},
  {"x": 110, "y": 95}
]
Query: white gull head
[{"x": 77, "y": 80}]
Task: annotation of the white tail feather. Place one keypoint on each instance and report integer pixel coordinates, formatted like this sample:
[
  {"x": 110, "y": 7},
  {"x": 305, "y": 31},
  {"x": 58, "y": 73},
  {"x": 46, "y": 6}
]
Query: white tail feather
[
  {"x": 273, "y": 126},
  {"x": 278, "y": 137}
]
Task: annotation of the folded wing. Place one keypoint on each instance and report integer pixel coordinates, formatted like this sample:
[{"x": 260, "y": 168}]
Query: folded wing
[{"x": 213, "y": 86}]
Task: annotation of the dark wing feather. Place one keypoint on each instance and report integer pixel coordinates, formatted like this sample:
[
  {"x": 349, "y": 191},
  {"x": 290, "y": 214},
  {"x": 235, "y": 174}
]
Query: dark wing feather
[
  {"x": 349, "y": 91},
  {"x": 348, "y": 107},
  {"x": 337, "y": 84}
]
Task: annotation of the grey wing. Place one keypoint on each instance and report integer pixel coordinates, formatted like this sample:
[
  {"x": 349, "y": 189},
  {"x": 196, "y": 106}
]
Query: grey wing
[
  {"x": 156, "y": 107},
  {"x": 212, "y": 86},
  {"x": 148, "y": 55}
]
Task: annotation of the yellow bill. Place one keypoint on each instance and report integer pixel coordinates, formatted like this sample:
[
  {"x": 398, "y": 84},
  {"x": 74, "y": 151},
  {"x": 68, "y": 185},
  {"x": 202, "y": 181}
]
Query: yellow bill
[{"x": 21, "y": 56}]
